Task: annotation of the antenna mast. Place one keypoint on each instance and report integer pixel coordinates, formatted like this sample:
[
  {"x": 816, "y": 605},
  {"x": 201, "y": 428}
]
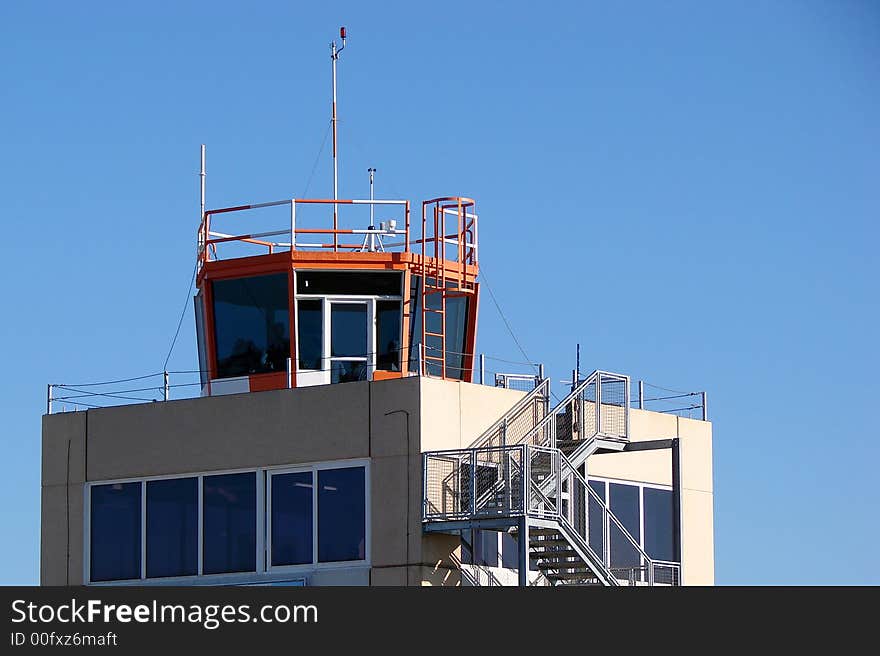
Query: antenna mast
[{"x": 334, "y": 56}]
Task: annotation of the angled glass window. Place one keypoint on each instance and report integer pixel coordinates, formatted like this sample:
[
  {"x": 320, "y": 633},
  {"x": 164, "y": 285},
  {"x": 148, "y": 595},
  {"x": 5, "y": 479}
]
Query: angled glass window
[
  {"x": 230, "y": 523},
  {"x": 251, "y": 325},
  {"x": 388, "y": 335},
  {"x": 115, "y": 537},
  {"x": 342, "y": 526},
  {"x": 292, "y": 503},
  {"x": 624, "y": 503},
  {"x": 173, "y": 527},
  {"x": 310, "y": 331},
  {"x": 659, "y": 523}
]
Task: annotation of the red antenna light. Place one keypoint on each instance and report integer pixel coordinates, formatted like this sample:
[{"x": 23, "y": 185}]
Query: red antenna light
[{"x": 342, "y": 32}]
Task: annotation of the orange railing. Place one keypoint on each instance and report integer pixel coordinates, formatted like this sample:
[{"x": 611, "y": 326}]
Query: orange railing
[
  {"x": 387, "y": 236},
  {"x": 438, "y": 240}
]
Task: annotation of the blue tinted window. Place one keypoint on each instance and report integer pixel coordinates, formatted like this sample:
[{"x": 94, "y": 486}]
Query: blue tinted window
[
  {"x": 596, "y": 518},
  {"x": 624, "y": 503},
  {"x": 173, "y": 527},
  {"x": 251, "y": 325},
  {"x": 348, "y": 329},
  {"x": 230, "y": 523},
  {"x": 486, "y": 548},
  {"x": 310, "y": 328},
  {"x": 388, "y": 335},
  {"x": 292, "y": 518},
  {"x": 658, "y": 524},
  {"x": 341, "y": 514},
  {"x": 115, "y": 538},
  {"x": 509, "y": 551}
]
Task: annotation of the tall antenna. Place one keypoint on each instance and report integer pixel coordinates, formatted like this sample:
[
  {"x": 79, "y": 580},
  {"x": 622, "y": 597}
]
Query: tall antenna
[
  {"x": 202, "y": 186},
  {"x": 334, "y": 56},
  {"x": 371, "y": 171}
]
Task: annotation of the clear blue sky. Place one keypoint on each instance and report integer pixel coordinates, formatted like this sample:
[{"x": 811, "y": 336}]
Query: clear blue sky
[{"x": 688, "y": 189}]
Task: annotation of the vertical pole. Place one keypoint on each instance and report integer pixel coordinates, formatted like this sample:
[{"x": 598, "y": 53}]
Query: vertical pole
[
  {"x": 165, "y": 388},
  {"x": 289, "y": 373},
  {"x": 676, "y": 503},
  {"x": 523, "y": 544},
  {"x": 49, "y": 399},
  {"x": 641, "y": 395},
  {"x": 482, "y": 368},
  {"x": 333, "y": 57},
  {"x": 202, "y": 187},
  {"x": 705, "y": 409},
  {"x": 473, "y": 482},
  {"x": 292, "y": 226},
  {"x": 540, "y": 372}
]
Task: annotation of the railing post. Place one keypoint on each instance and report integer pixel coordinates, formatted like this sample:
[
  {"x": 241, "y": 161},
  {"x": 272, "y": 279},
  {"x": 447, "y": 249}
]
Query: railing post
[
  {"x": 705, "y": 409},
  {"x": 540, "y": 374},
  {"x": 482, "y": 368},
  {"x": 49, "y": 399},
  {"x": 292, "y": 224},
  {"x": 598, "y": 402},
  {"x": 165, "y": 388},
  {"x": 421, "y": 359},
  {"x": 641, "y": 395}
]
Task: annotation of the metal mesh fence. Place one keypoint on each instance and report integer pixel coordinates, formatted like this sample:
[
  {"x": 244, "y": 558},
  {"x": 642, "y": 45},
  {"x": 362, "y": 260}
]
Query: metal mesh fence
[{"x": 614, "y": 408}]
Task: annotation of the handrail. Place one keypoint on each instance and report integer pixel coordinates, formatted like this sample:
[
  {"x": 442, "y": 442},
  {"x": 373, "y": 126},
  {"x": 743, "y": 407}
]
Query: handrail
[{"x": 542, "y": 388}]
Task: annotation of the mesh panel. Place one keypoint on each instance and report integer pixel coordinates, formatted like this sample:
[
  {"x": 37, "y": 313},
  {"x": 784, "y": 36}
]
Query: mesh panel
[{"x": 615, "y": 403}]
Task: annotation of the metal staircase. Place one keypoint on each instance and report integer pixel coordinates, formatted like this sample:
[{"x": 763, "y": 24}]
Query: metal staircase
[{"x": 524, "y": 475}]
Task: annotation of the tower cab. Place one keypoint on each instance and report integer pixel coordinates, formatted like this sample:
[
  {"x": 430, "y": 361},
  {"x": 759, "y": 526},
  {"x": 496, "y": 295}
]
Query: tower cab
[{"x": 291, "y": 293}]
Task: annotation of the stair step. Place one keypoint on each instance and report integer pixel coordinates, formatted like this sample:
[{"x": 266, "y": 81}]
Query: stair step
[
  {"x": 574, "y": 576},
  {"x": 554, "y": 555},
  {"x": 548, "y": 543},
  {"x": 575, "y": 568}
]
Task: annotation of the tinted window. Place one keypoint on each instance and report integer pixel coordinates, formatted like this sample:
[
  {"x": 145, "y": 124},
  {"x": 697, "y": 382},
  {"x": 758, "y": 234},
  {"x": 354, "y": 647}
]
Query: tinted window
[
  {"x": 173, "y": 527},
  {"x": 336, "y": 282},
  {"x": 596, "y": 518},
  {"x": 115, "y": 532},
  {"x": 346, "y": 371},
  {"x": 659, "y": 523},
  {"x": 348, "y": 330},
  {"x": 486, "y": 548},
  {"x": 292, "y": 518},
  {"x": 230, "y": 523},
  {"x": 388, "y": 335},
  {"x": 341, "y": 514},
  {"x": 456, "y": 321},
  {"x": 624, "y": 503},
  {"x": 251, "y": 325},
  {"x": 509, "y": 551},
  {"x": 310, "y": 329}
]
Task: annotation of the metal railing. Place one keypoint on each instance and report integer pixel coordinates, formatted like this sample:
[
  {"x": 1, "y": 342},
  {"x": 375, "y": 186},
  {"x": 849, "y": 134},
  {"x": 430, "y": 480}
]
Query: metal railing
[
  {"x": 298, "y": 234},
  {"x": 539, "y": 482},
  {"x": 691, "y": 405},
  {"x": 596, "y": 408},
  {"x": 518, "y": 422}
]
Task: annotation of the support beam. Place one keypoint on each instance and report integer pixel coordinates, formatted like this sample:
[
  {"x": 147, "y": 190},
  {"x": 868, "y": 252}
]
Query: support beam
[{"x": 523, "y": 544}]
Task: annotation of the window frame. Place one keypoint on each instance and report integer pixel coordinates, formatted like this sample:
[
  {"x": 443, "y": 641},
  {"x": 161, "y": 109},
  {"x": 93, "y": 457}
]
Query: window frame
[
  {"x": 372, "y": 327},
  {"x": 314, "y": 468},
  {"x": 641, "y": 485},
  {"x": 264, "y": 572}
]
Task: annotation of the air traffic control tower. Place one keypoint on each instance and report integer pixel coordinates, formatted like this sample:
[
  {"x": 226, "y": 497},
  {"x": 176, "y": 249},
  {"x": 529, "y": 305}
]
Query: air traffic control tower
[{"x": 342, "y": 431}]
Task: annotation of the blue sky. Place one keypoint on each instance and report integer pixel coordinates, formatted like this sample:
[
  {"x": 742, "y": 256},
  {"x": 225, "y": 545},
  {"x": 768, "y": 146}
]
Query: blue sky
[{"x": 688, "y": 189}]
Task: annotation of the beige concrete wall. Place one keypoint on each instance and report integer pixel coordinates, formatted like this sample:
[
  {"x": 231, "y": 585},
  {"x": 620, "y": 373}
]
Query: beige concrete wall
[{"x": 695, "y": 444}]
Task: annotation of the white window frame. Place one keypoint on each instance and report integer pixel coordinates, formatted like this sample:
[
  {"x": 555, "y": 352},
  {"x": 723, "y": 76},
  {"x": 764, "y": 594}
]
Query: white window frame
[
  {"x": 639, "y": 484},
  {"x": 316, "y": 564},
  {"x": 323, "y": 375},
  {"x": 263, "y": 573}
]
